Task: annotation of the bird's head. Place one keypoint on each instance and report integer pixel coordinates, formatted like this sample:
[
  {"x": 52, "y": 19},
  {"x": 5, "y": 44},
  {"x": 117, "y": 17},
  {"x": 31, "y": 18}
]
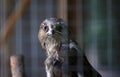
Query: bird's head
[{"x": 50, "y": 28}]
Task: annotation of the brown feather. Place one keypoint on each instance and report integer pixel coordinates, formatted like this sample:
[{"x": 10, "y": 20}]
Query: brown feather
[{"x": 42, "y": 36}]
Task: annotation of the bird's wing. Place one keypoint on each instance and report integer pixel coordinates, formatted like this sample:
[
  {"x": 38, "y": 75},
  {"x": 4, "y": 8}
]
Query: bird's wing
[{"x": 79, "y": 61}]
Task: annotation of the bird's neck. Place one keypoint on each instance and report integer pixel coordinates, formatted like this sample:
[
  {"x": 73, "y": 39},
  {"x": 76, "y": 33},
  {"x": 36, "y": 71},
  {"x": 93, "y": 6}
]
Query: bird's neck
[{"x": 52, "y": 45}]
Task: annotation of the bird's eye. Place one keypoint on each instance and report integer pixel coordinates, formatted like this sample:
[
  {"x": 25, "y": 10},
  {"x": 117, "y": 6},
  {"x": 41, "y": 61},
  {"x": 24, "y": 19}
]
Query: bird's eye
[
  {"x": 46, "y": 28},
  {"x": 59, "y": 28}
]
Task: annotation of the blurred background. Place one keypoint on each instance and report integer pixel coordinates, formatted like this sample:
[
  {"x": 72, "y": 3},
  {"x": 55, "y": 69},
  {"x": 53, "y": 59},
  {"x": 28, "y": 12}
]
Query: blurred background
[{"x": 95, "y": 24}]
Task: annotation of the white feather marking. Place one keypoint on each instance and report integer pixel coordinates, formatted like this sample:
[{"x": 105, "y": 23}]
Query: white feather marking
[
  {"x": 72, "y": 45},
  {"x": 79, "y": 75}
]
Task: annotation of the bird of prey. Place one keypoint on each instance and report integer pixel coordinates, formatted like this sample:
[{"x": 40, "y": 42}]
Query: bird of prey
[{"x": 64, "y": 57}]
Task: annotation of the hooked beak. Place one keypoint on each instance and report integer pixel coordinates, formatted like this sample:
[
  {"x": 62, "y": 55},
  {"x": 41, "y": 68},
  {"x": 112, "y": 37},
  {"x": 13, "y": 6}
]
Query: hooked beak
[{"x": 51, "y": 32}]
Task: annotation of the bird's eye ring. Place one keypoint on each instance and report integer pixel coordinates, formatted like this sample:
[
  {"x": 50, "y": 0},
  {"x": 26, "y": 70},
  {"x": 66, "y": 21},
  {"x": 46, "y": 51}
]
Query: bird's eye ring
[{"x": 46, "y": 28}]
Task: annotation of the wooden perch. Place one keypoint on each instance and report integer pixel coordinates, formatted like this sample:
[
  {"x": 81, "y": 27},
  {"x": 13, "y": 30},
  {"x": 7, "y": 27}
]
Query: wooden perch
[
  {"x": 16, "y": 63},
  {"x": 12, "y": 19}
]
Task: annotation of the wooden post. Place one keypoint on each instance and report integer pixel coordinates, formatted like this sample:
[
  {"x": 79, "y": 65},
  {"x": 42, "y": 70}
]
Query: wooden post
[
  {"x": 16, "y": 63},
  {"x": 62, "y": 9}
]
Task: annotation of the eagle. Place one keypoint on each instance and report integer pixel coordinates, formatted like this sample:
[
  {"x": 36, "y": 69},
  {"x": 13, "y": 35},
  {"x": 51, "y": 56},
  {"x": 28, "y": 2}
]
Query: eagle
[{"x": 64, "y": 57}]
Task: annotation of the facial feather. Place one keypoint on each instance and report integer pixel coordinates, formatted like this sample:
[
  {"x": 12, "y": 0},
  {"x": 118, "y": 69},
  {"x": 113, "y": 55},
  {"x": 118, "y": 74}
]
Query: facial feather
[{"x": 50, "y": 40}]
